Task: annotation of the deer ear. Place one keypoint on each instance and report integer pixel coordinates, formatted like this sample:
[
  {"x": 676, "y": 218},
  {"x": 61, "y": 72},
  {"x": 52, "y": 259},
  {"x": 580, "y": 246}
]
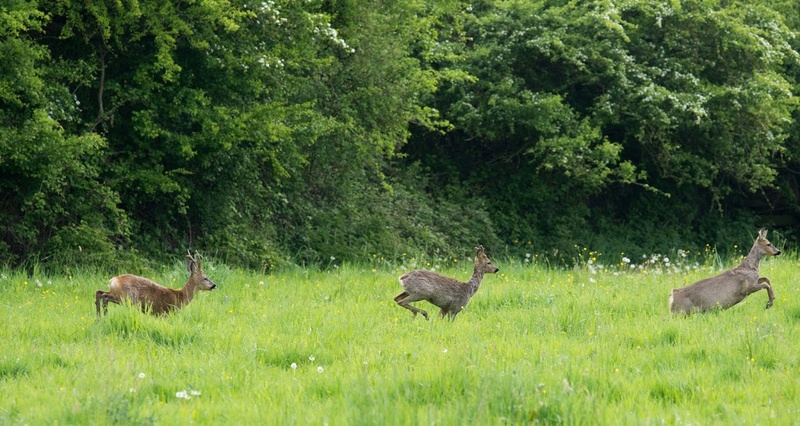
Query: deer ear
[{"x": 762, "y": 233}]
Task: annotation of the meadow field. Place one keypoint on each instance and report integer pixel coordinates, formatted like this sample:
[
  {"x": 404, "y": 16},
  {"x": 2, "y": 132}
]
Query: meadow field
[{"x": 593, "y": 344}]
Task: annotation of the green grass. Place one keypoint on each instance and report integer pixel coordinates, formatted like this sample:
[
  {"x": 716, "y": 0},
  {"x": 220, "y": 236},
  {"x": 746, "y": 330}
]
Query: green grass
[{"x": 534, "y": 345}]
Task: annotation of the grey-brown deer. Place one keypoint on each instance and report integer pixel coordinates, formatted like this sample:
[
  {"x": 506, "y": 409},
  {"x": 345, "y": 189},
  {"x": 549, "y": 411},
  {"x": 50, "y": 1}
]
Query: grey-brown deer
[
  {"x": 449, "y": 294},
  {"x": 730, "y": 287},
  {"x": 152, "y": 297}
]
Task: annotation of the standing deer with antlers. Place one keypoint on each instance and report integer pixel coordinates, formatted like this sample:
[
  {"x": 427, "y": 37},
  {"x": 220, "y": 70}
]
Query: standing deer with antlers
[{"x": 152, "y": 297}]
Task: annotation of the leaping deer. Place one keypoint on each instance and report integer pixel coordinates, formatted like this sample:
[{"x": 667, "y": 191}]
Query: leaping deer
[
  {"x": 450, "y": 295},
  {"x": 156, "y": 298},
  {"x": 730, "y": 287}
]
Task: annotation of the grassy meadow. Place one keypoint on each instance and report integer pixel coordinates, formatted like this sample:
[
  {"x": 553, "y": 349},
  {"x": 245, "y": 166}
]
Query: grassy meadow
[{"x": 593, "y": 344}]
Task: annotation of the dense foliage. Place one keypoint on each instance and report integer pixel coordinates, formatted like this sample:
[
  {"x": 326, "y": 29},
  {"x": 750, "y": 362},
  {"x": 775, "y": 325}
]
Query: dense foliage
[
  {"x": 286, "y": 131},
  {"x": 628, "y": 125}
]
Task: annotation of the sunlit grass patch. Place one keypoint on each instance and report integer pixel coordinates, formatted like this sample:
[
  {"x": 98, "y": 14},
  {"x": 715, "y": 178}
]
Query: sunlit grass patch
[
  {"x": 535, "y": 344},
  {"x": 10, "y": 369},
  {"x": 129, "y": 322}
]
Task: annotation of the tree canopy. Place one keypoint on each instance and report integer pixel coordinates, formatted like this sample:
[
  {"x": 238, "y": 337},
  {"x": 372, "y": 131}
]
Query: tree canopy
[{"x": 286, "y": 131}]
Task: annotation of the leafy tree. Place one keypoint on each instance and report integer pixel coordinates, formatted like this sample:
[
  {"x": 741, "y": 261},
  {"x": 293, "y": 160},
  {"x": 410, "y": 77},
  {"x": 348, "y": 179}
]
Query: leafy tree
[
  {"x": 250, "y": 130},
  {"x": 586, "y": 115},
  {"x": 297, "y": 131},
  {"x": 349, "y": 197},
  {"x": 49, "y": 177}
]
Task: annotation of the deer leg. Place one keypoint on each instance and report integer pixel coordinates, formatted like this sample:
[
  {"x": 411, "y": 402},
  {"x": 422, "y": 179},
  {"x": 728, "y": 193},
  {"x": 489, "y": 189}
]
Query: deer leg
[
  {"x": 450, "y": 313},
  {"x": 105, "y": 297},
  {"x": 414, "y": 309},
  {"x": 403, "y": 299},
  {"x": 97, "y": 297},
  {"x": 765, "y": 283}
]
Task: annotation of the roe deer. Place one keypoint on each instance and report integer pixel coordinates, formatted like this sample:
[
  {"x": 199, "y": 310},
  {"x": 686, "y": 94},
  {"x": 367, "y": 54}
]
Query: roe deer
[
  {"x": 447, "y": 293},
  {"x": 158, "y": 299},
  {"x": 730, "y": 287}
]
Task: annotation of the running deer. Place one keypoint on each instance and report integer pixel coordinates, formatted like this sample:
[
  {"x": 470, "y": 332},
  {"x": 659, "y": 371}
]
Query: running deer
[
  {"x": 447, "y": 293},
  {"x": 157, "y": 299},
  {"x": 730, "y": 287}
]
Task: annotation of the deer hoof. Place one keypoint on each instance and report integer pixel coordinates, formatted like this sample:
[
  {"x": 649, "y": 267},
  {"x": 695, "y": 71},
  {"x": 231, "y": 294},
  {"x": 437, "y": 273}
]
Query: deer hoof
[{"x": 769, "y": 305}]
